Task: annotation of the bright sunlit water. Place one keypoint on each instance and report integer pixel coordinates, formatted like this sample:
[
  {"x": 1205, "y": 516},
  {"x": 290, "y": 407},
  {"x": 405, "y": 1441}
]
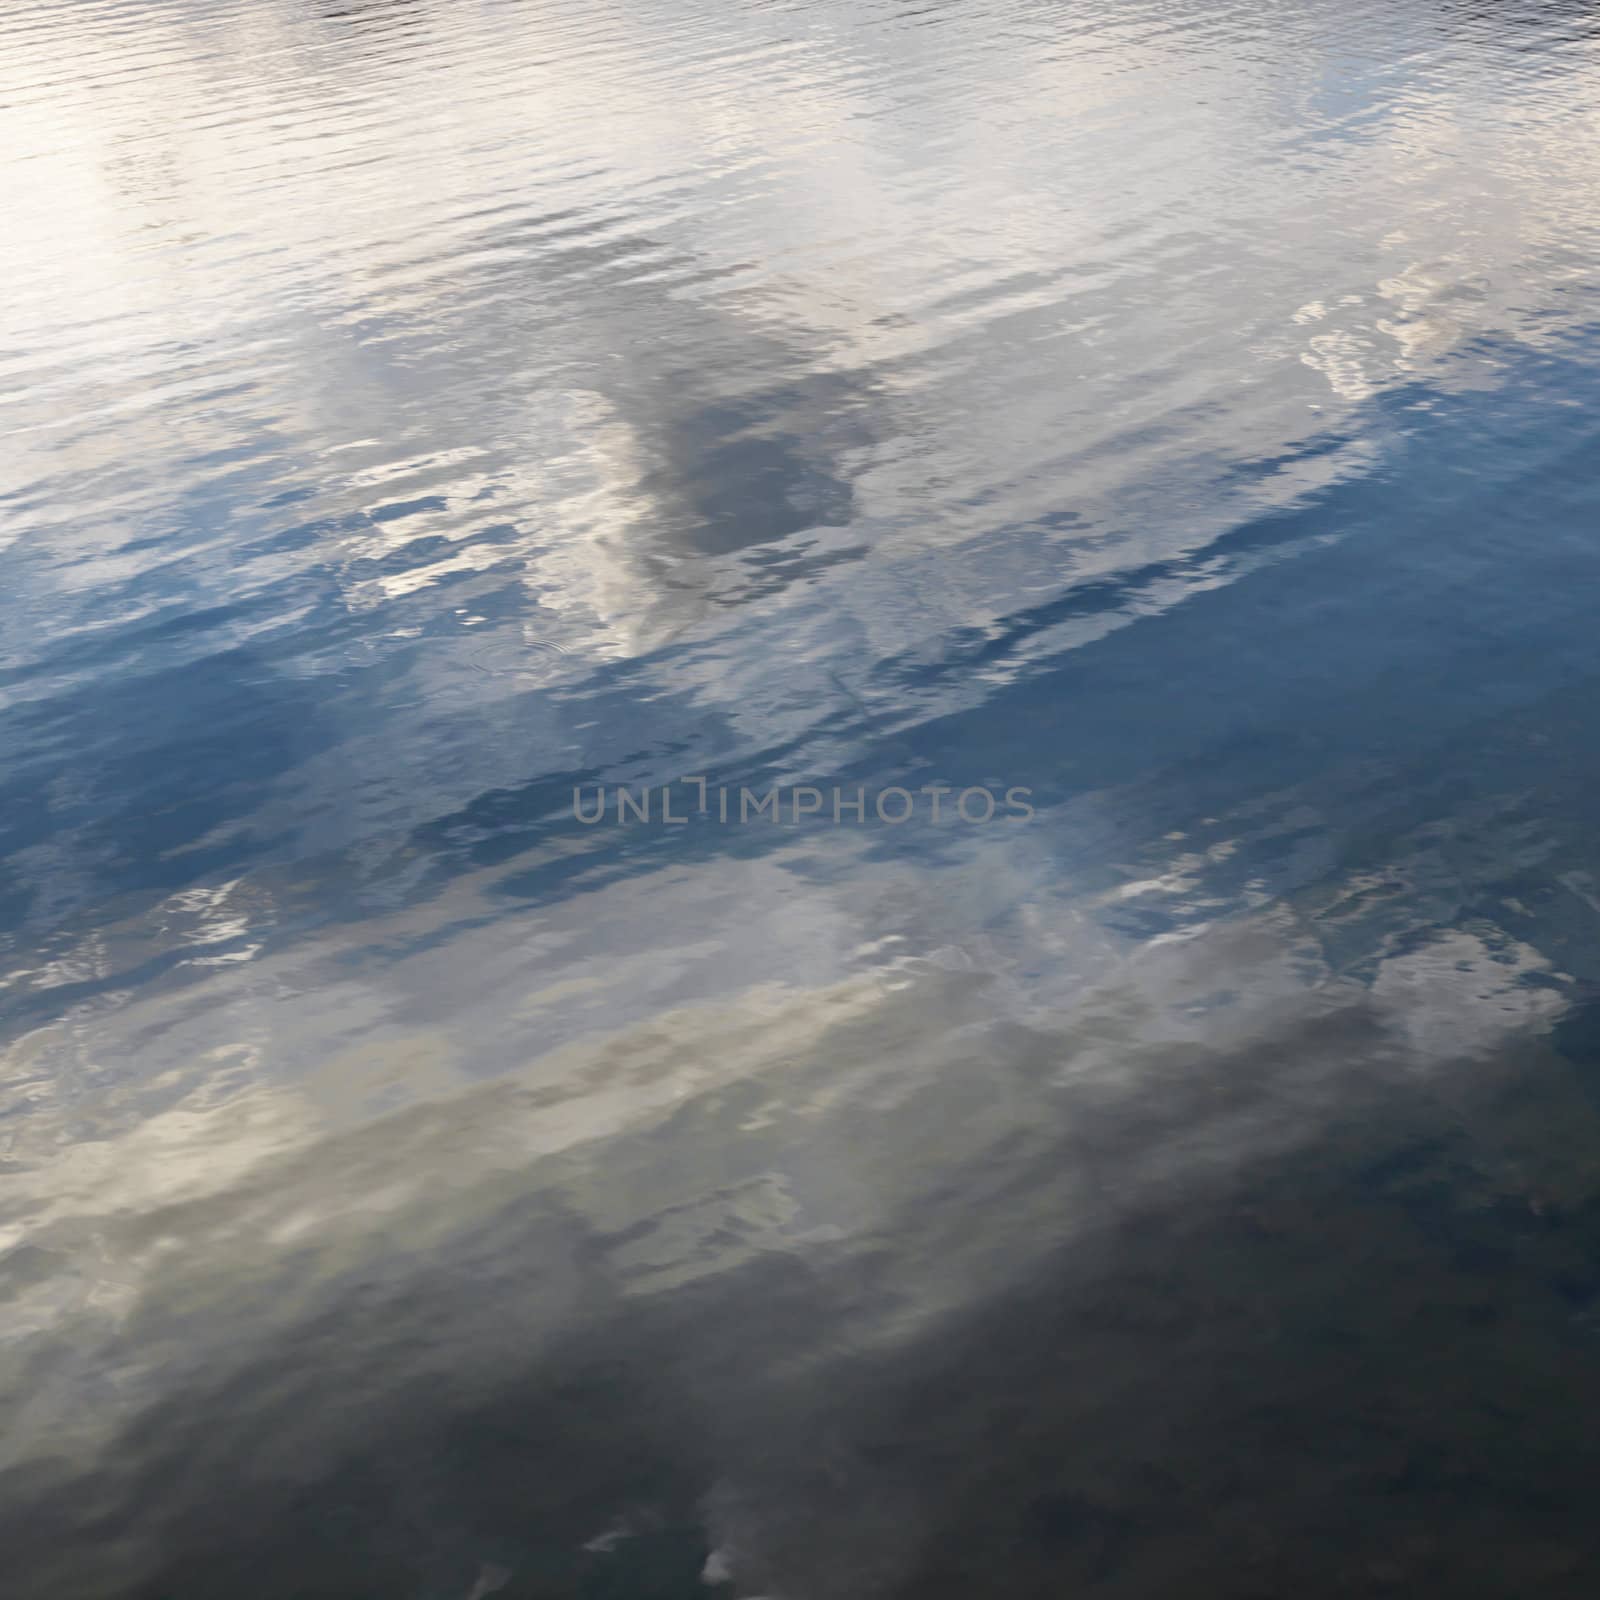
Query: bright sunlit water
[{"x": 1183, "y": 1184}]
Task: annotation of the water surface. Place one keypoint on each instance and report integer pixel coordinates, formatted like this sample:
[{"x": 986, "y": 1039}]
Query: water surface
[{"x": 417, "y": 412}]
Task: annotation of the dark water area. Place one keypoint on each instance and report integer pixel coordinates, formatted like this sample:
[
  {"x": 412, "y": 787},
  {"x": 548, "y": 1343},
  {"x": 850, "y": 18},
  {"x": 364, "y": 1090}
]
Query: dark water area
[{"x": 1176, "y": 427}]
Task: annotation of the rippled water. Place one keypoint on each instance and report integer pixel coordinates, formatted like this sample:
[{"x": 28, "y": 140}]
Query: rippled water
[{"x": 415, "y": 413}]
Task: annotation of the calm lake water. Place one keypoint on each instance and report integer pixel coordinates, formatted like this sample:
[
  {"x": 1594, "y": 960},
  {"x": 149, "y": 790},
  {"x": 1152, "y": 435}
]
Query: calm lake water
[{"x": 1176, "y": 426}]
